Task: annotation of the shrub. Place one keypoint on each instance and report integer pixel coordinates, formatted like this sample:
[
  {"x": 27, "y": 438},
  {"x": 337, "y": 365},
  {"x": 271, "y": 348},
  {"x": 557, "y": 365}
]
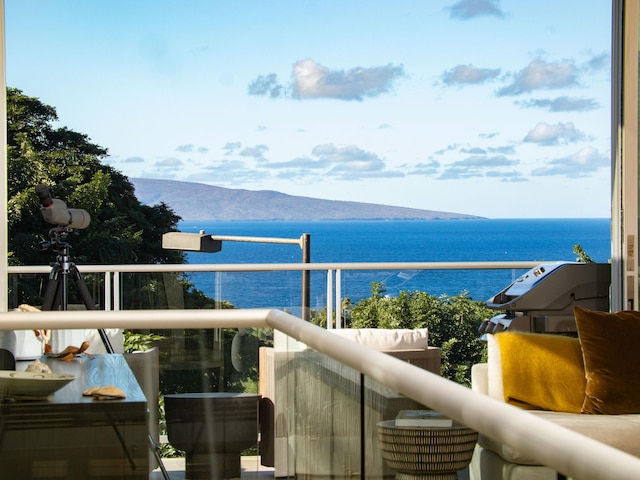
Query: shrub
[{"x": 453, "y": 324}]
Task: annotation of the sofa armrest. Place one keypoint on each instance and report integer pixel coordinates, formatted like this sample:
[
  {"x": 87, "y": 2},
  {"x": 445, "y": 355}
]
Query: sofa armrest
[
  {"x": 480, "y": 378},
  {"x": 427, "y": 359}
]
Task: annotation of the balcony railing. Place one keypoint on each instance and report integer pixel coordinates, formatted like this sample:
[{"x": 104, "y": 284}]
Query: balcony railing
[
  {"x": 562, "y": 449},
  {"x": 571, "y": 453},
  {"x": 331, "y": 282}
]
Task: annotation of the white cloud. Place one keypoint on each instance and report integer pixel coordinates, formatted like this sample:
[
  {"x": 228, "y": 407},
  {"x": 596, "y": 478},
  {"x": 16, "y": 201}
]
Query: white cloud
[
  {"x": 190, "y": 148},
  {"x": 562, "y": 104},
  {"x": 581, "y": 163},
  {"x": 482, "y": 161},
  {"x": 542, "y": 75},
  {"x": 512, "y": 176},
  {"x": 232, "y": 147},
  {"x": 267, "y": 85},
  {"x": 458, "y": 173},
  {"x": 469, "y": 75},
  {"x": 545, "y": 134},
  {"x": 228, "y": 172},
  {"x": 348, "y": 158},
  {"x": 256, "y": 152},
  {"x": 133, "y": 160},
  {"x": 466, "y": 9},
  {"x": 170, "y": 162},
  {"x": 304, "y": 163},
  {"x": 426, "y": 169},
  {"x": 312, "y": 80}
]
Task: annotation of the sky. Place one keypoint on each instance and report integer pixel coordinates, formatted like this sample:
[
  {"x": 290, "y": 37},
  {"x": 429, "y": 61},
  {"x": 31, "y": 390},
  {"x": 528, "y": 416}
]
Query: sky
[{"x": 485, "y": 107}]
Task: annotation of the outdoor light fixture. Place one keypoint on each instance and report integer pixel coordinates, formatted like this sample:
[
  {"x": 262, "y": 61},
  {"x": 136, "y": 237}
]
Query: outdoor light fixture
[
  {"x": 202, "y": 242},
  {"x": 195, "y": 242}
]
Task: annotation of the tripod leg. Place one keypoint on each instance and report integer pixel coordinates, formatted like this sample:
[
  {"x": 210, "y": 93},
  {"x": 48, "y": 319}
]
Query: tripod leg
[
  {"x": 52, "y": 294},
  {"x": 88, "y": 302}
]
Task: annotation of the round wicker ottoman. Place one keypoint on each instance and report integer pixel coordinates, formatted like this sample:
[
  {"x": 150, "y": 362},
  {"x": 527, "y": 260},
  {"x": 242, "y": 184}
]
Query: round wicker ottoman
[{"x": 434, "y": 453}]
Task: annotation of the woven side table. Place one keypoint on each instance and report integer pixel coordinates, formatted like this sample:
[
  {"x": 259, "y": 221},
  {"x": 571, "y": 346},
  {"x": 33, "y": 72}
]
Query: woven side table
[{"x": 421, "y": 453}]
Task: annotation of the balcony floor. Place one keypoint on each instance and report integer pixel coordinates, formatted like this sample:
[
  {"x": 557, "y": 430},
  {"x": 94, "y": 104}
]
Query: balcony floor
[{"x": 251, "y": 470}]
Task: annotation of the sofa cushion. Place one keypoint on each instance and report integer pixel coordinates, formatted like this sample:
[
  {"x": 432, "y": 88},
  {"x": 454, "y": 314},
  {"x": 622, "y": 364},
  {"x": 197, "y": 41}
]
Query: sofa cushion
[
  {"x": 488, "y": 465},
  {"x": 542, "y": 371},
  {"x": 387, "y": 340},
  {"x": 610, "y": 344},
  {"x": 619, "y": 431}
]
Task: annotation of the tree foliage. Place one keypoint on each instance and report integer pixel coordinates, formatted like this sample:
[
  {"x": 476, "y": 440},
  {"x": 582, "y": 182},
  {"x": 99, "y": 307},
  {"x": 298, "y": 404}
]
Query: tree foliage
[
  {"x": 582, "y": 255},
  {"x": 453, "y": 324},
  {"x": 122, "y": 230}
]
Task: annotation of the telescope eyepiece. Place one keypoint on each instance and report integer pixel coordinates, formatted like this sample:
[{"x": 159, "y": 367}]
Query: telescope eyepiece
[{"x": 43, "y": 194}]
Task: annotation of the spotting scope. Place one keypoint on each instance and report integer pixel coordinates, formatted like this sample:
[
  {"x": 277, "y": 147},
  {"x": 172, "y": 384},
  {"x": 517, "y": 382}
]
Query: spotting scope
[{"x": 55, "y": 211}]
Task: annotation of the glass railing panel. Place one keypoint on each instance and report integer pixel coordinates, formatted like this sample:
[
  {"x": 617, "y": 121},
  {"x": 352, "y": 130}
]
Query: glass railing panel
[
  {"x": 381, "y": 404},
  {"x": 190, "y": 361},
  {"x": 326, "y": 423},
  {"x": 33, "y": 288},
  {"x": 265, "y": 289},
  {"x": 478, "y": 284},
  {"x": 209, "y": 389},
  {"x": 317, "y": 414},
  {"x": 326, "y": 415}
]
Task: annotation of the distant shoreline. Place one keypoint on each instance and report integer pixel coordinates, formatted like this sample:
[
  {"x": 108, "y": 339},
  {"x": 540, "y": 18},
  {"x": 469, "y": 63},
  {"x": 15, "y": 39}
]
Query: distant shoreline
[{"x": 226, "y": 204}]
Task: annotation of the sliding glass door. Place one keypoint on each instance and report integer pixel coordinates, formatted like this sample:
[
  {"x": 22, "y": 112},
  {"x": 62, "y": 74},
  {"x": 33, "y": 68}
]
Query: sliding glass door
[{"x": 624, "y": 155}]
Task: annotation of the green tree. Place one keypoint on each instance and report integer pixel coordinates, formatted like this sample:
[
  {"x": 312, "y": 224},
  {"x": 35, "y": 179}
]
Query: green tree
[
  {"x": 453, "y": 324},
  {"x": 582, "y": 255},
  {"x": 122, "y": 230}
]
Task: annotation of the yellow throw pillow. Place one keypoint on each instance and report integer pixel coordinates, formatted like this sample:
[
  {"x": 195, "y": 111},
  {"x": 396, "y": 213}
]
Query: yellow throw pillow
[
  {"x": 542, "y": 371},
  {"x": 611, "y": 350}
]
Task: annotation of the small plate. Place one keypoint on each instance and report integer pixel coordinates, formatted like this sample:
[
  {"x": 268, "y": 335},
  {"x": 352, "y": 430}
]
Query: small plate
[{"x": 31, "y": 384}]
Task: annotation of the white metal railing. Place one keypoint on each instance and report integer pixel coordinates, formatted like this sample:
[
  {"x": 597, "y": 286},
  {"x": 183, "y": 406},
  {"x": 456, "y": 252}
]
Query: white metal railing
[
  {"x": 566, "y": 451},
  {"x": 334, "y": 288}
]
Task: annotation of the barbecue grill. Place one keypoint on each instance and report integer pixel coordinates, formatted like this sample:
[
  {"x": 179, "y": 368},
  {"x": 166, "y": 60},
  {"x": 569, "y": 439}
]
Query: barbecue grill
[{"x": 542, "y": 299}]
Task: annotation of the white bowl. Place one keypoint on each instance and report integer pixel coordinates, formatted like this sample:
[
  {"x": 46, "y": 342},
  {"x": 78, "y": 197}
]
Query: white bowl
[{"x": 31, "y": 384}]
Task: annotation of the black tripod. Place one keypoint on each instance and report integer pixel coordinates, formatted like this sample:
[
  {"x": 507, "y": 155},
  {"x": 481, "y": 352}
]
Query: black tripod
[
  {"x": 56, "y": 295},
  {"x": 56, "y": 298}
]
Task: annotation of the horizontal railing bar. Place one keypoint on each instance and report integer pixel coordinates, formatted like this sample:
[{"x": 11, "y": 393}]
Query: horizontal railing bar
[
  {"x": 566, "y": 451},
  {"x": 235, "y": 238},
  {"x": 135, "y": 319},
  {"x": 250, "y": 267}
]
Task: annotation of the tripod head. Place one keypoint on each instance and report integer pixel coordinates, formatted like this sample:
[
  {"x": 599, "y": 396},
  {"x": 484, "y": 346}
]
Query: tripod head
[{"x": 58, "y": 241}]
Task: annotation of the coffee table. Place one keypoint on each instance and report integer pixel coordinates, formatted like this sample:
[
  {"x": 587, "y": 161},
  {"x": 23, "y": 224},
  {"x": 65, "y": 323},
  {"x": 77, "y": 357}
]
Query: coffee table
[{"x": 426, "y": 452}]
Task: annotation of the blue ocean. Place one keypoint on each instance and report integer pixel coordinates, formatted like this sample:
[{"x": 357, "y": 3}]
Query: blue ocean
[{"x": 389, "y": 241}]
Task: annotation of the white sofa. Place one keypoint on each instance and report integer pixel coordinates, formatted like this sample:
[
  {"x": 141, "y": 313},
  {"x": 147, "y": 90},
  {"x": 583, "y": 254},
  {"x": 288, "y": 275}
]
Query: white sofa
[{"x": 494, "y": 461}]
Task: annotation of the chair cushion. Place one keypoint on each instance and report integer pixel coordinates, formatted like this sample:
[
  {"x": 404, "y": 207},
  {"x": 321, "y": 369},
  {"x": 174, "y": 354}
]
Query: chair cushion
[
  {"x": 387, "y": 340},
  {"x": 610, "y": 347},
  {"x": 542, "y": 371}
]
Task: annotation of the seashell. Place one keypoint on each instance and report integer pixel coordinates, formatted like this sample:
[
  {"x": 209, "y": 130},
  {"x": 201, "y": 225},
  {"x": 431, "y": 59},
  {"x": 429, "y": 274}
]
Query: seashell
[
  {"x": 38, "y": 367},
  {"x": 89, "y": 391},
  {"x": 104, "y": 392}
]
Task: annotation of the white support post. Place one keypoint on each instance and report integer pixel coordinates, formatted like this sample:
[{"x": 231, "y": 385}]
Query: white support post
[
  {"x": 330, "y": 299},
  {"x": 338, "y": 299},
  {"x": 4, "y": 236}
]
